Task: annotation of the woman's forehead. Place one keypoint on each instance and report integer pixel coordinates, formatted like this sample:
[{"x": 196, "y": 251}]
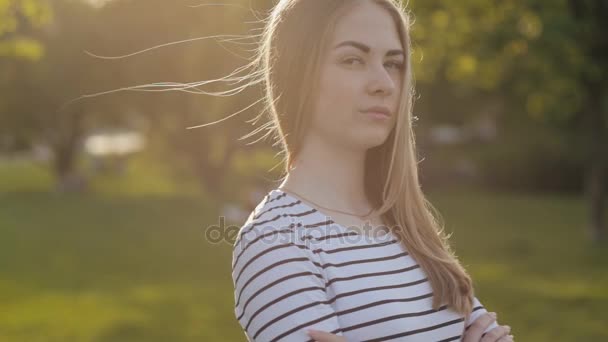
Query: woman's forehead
[{"x": 368, "y": 24}]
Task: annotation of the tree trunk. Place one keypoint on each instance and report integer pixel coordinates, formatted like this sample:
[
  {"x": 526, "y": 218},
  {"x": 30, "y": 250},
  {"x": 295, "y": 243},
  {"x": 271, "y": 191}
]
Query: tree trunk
[
  {"x": 212, "y": 176},
  {"x": 596, "y": 197},
  {"x": 595, "y": 183},
  {"x": 198, "y": 144},
  {"x": 65, "y": 148}
]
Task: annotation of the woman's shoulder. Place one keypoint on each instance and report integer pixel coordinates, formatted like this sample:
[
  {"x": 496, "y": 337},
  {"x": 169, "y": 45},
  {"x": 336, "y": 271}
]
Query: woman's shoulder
[
  {"x": 276, "y": 227},
  {"x": 276, "y": 213}
]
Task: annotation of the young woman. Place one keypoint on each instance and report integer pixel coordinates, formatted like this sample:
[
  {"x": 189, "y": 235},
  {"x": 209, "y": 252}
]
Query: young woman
[{"x": 347, "y": 245}]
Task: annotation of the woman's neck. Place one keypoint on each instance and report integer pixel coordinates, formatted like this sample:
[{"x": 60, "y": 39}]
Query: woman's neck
[{"x": 330, "y": 177}]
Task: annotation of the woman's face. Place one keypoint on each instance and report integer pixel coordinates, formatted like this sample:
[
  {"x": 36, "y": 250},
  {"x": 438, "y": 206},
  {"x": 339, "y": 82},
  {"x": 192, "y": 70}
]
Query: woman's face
[{"x": 362, "y": 68}]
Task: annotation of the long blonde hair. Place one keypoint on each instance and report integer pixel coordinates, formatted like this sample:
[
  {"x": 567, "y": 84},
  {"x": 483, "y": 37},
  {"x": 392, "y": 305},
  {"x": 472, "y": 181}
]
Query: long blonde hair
[{"x": 289, "y": 78}]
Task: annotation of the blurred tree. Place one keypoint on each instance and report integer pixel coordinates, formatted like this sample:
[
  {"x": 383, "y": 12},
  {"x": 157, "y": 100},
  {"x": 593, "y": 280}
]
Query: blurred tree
[
  {"x": 38, "y": 90},
  {"x": 17, "y": 18},
  {"x": 63, "y": 74},
  {"x": 562, "y": 80},
  {"x": 545, "y": 58},
  {"x": 208, "y": 152},
  {"x": 590, "y": 37}
]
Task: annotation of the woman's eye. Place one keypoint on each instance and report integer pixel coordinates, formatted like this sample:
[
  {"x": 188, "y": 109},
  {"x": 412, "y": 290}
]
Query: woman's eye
[
  {"x": 349, "y": 61},
  {"x": 396, "y": 65}
]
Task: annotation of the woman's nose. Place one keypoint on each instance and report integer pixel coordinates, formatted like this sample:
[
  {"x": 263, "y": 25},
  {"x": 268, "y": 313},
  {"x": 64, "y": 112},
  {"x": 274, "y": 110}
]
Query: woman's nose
[{"x": 380, "y": 81}]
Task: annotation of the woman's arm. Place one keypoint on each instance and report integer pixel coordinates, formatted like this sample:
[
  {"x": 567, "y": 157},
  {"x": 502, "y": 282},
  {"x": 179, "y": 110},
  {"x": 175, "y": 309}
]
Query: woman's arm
[
  {"x": 478, "y": 311},
  {"x": 482, "y": 326},
  {"x": 279, "y": 291}
]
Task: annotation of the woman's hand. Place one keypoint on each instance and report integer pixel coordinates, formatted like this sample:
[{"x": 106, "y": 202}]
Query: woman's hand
[
  {"x": 322, "y": 336},
  {"x": 498, "y": 334},
  {"x": 473, "y": 334}
]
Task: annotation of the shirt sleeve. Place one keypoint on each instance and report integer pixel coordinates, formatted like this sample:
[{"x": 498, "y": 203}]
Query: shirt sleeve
[
  {"x": 478, "y": 310},
  {"x": 279, "y": 289}
]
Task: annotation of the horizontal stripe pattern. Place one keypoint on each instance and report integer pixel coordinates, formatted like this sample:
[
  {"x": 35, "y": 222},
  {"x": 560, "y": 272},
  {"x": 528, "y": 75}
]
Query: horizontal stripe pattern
[{"x": 293, "y": 268}]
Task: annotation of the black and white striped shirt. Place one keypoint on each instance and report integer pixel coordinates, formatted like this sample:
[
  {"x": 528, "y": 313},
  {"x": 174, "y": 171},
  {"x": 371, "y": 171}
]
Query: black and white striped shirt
[{"x": 293, "y": 268}]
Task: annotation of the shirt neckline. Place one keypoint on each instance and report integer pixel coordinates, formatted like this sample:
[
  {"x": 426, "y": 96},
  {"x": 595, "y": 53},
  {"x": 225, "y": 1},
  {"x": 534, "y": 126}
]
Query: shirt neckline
[{"x": 384, "y": 237}]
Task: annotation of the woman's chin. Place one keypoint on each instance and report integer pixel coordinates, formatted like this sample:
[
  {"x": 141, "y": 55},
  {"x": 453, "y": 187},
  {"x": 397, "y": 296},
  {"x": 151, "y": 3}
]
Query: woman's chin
[{"x": 369, "y": 140}]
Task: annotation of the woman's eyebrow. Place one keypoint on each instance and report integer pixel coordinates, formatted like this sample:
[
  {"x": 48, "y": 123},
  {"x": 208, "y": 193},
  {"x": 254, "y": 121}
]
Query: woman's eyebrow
[{"x": 366, "y": 48}]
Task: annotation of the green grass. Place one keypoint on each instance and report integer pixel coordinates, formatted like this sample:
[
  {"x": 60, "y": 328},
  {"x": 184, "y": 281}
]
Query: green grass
[
  {"x": 24, "y": 176},
  {"x": 531, "y": 263},
  {"x": 111, "y": 269},
  {"x": 138, "y": 268}
]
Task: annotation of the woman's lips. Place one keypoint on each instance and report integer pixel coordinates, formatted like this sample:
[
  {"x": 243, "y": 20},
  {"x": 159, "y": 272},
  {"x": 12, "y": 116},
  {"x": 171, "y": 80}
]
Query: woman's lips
[
  {"x": 378, "y": 112},
  {"x": 377, "y": 115}
]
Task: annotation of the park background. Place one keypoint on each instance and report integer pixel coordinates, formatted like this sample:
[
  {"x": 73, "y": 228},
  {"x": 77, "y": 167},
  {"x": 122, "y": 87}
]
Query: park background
[{"x": 107, "y": 203}]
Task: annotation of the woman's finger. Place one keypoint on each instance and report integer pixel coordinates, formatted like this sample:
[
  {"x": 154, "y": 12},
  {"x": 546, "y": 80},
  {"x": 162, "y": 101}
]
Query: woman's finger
[
  {"x": 322, "y": 336},
  {"x": 476, "y": 329},
  {"x": 508, "y": 338},
  {"x": 496, "y": 334}
]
